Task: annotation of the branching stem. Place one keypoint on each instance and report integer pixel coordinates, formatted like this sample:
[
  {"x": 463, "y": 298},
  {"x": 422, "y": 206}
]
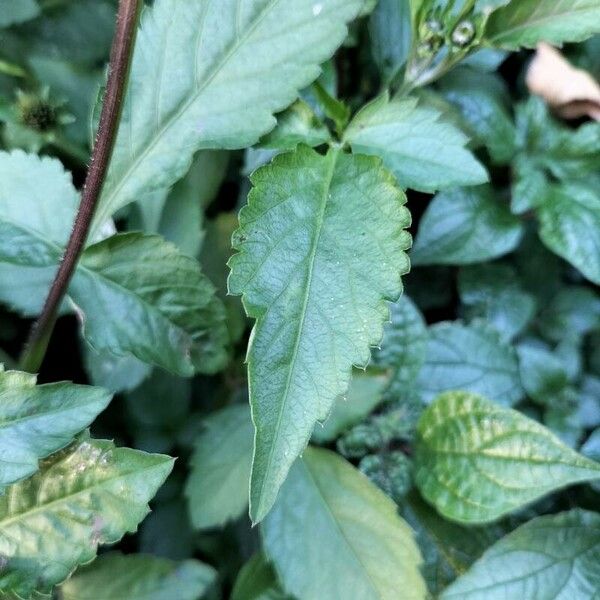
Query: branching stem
[{"x": 120, "y": 58}]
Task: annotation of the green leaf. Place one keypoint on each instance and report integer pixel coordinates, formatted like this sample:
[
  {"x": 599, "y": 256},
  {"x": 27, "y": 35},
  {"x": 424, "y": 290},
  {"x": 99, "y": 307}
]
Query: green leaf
[
  {"x": 182, "y": 217},
  {"x": 471, "y": 358},
  {"x": 317, "y": 292},
  {"x": 296, "y": 125},
  {"x": 404, "y": 343},
  {"x": 115, "y": 373},
  {"x": 424, "y": 152},
  {"x": 13, "y": 12},
  {"x": 574, "y": 310},
  {"x": 554, "y": 556},
  {"x": 493, "y": 292},
  {"x": 257, "y": 581},
  {"x": 527, "y": 22},
  {"x": 364, "y": 395},
  {"x": 139, "y": 577},
  {"x": 38, "y": 207},
  {"x": 214, "y": 48},
  {"x": 483, "y": 102},
  {"x": 570, "y": 226},
  {"x": 38, "y": 420},
  {"x": 465, "y": 226},
  {"x": 448, "y": 549},
  {"x": 217, "y": 487},
  {"x": 90, "y": 494},
  {"x": 390, "y": 33},
  {"x": 138, "y": 295},
  {"x": 328, "y": 513},
  {"x": 476, "y": 461},
  {"x": 79, "y": 32},
  {"x": 543, "y": 375}
]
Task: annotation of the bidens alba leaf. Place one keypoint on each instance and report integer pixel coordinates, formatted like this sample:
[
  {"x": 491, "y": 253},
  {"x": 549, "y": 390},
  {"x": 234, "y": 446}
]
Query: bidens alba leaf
[
  {"x": 36, "y": 420},
  {"x": 477, "y": 461},
  {"x": 90, "y": 494},
  {"x": 321, "y": 247},
  {"x": 329, "y": 514},
  {"x": 554, "y": 557},
  {"x": 425, "y": 152},
  {"x": 210, "y": 75}
]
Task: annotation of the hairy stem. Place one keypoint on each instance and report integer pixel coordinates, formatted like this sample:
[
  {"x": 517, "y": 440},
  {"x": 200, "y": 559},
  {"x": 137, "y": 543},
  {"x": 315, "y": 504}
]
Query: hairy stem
[{"x": 120, "y": 58}]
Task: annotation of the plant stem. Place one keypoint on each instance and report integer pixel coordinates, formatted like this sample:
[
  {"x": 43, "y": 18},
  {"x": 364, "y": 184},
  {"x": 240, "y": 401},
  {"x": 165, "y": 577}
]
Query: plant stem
[{"x": 120, "y": 58}]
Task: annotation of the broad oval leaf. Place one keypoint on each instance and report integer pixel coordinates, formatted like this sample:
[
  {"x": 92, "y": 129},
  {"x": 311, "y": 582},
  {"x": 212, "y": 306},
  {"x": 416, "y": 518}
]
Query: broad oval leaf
[
  {"x": 321, "y": 247},
  {"x": 424, "y": 152},
  {"x": 90, "y": 494},
  {"x": 217, "y": 488},
  {"x": 554, "y": 557},
  {"x": 189, "y": 63},
  {"x": 527, "y": 22},
  {"x": 139, "y": 577},
  {"x": 570, "y": 226},
  {"x": 472, "y": 358},
  {"x": 466, "y": 226},
  {"x": 137, "y": 294},
  {"x": 328, "y": 513},
  {"x": 476, "y": 461},
  {"x": 38, "y": 420}
]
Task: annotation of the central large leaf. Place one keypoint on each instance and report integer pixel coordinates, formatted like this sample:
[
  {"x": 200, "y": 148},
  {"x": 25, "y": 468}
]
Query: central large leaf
[
  {"x": 321, "y": 246},
  {"x": 192, "y": 61}
]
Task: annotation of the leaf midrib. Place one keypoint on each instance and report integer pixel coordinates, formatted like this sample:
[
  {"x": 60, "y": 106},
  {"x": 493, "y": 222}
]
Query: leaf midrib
[
  {"x": 333, "y": 156},
  {"x": 174, "y": 118}
]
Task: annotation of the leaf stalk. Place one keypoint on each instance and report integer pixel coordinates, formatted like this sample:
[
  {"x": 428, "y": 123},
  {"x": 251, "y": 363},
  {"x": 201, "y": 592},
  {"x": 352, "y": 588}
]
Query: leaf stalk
[{"x": 118, "y": 71}]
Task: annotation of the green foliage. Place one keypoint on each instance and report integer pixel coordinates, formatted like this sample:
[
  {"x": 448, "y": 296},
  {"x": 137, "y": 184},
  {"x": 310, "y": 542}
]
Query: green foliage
[
  {"x": 466, "y": 226},
  {"x": 291, "y": 250},
  {"x": 565, "y": 548},
  {"x": 165, "y": 121},
  {"x": 240, "y": 292},
  {"x": 139, "y": 577},
  {"x": 36, "y": 421},
  {"x": 90, "y": 494},
  {"x": 217, "y": 488},
  {"x": 477, "y": 461},
  {"x": 472, "y": 358},
  {"x": 329, "y": 514},
  {"x": 425, "y": 152}
]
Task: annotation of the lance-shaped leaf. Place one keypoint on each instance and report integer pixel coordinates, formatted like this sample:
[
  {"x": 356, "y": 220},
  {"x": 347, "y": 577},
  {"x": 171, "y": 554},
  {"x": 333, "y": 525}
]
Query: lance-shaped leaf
[
  {"x": 139, "y": 577},
  {"x": 527, "y": 22},
  {"x": 329, "y": 513},
  {"x": 554, "y": 557},
  {"x": 217, "y": 488},
  {"x": 90, "y": 494},
  {"x": 139, "y": 295},
  {"x": 476, "y": 461},
  {"x": 38, "y": 420},
  {"x": 424, "y": 152},
  {"x": 321, "y": 247},
  {"x": 190, "y": 62}
]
